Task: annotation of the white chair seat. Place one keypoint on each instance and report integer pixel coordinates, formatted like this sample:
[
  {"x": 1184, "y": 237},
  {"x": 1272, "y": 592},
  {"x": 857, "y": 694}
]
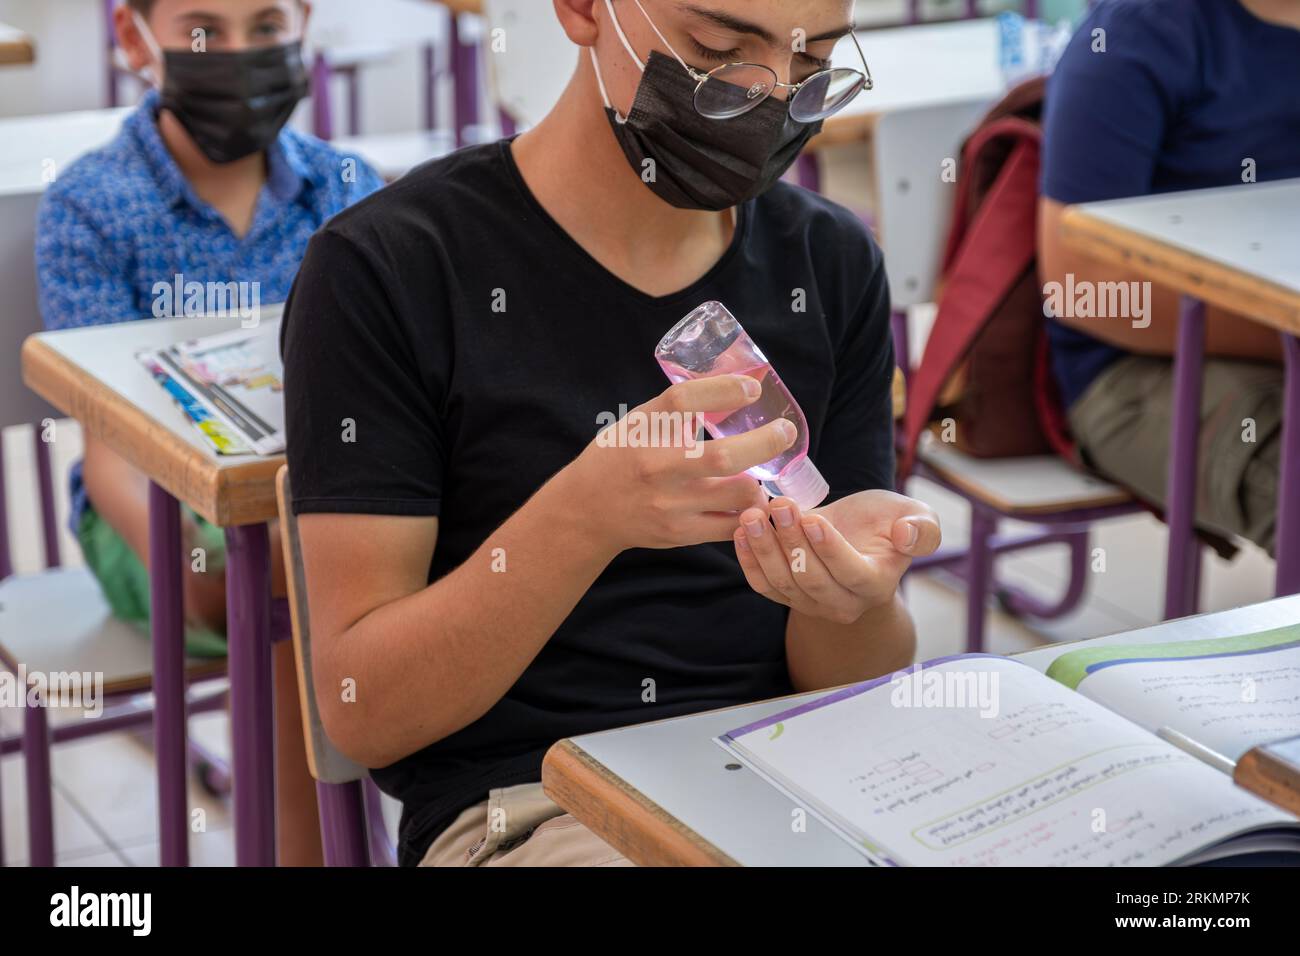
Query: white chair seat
[
  {"x": 1031, "y": 485},
  {"x": 59, "y": 622},
  {"x": 393, "y": 155}
]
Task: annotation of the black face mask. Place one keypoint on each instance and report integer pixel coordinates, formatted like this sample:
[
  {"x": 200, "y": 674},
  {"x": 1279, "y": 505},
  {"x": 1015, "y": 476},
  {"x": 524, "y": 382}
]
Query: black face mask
[
  {"x": 234, "y": 104},
  {"x": 693, "y": 162}
]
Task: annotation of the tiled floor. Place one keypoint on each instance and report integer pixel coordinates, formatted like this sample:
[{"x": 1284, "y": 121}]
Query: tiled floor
[{"x": 105, "y": 801}]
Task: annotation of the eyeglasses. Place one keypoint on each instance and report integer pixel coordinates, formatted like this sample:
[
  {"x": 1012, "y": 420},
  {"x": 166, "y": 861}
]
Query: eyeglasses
[{"x": 734, "y": 89}]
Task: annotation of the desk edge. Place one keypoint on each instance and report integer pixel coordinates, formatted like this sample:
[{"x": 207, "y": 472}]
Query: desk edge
[
  {"x": 1184, "y": 271},
  {"x": 621, "y": 816}
]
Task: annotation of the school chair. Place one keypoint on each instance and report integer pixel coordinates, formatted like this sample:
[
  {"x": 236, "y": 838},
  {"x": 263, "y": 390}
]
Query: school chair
[
  {"x": 1059, "y": 502},
  {"x": 353, "y": 832},
  {"x": 56, "y": 622}
]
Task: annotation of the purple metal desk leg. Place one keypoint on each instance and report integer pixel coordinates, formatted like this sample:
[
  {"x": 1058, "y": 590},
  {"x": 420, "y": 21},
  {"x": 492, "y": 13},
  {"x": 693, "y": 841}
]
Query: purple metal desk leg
[
  {"x": 1180, "y": 507},
  {"x": 252, "y": 730},
  {"x": 167, "y": 624},
  {"x": 343, "y": 825},
  {"x": 45, "y": 477},
  {"x": 979, "y": 574},
  {"x": 430, "y": 87},
  {"x": 1287, "y": 536},
  {"x": 40, "y": 792}
]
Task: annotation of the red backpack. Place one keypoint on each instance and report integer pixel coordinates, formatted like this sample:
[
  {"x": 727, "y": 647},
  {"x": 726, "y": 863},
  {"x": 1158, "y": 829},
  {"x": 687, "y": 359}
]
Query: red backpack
[{"x": 986, "y": 360}]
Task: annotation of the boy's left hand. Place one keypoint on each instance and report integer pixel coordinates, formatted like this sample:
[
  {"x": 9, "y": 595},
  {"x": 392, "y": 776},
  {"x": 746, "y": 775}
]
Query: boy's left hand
[{"x": 838, "y": 561}]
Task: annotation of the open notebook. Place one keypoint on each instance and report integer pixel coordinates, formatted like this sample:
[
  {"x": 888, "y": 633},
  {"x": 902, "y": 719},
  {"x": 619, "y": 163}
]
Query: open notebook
[
  {"x": 983, "y": 761},
  {"x": 229, "y": 385}
]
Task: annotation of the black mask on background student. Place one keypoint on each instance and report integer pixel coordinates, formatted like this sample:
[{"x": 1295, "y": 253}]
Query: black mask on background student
[{"x": 232, "y": 103}]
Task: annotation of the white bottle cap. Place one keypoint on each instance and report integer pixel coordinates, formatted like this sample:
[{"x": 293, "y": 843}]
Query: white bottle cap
[{"x": 803, "y": 484}]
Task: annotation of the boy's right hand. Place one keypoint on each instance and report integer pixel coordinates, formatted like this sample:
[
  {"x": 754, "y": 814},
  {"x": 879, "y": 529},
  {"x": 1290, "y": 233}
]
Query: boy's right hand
[{"x": 635, "y": 496}]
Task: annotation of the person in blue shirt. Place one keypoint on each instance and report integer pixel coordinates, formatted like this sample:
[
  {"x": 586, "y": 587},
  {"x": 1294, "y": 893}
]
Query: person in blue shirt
[
  {"x": 204, "y": 183},
  {"x": 1154, "y": 96}
]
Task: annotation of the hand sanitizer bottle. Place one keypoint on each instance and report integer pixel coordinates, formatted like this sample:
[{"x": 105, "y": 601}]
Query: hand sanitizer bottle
[{"x": 711, "y": 342}]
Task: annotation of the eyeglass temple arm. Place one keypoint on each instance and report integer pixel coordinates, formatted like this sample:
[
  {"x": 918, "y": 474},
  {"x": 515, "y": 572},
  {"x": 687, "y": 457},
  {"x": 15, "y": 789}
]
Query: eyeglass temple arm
[{"x": 866, "y": 70}]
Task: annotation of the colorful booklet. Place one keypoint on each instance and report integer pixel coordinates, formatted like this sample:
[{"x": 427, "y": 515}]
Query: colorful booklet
[
  {"x": 229, "y": 385},
  {"x": 1118, "y": 755}
]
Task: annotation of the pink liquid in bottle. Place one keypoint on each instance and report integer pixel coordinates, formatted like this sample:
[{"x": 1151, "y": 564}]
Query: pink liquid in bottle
[{"x": 711, "y": 342}]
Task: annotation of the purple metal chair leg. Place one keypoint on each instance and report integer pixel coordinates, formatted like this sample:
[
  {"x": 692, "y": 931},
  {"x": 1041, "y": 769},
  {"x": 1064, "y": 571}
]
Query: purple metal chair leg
[
  {"x": 809, "y": 172},
  {"x": 342, "y": 823},
  {"x": 45, "y": 480},
  {"x": 1023, "y": 604},
  {"x": 979, "y": 566},
  {"x": 110, "y": 46},
  {"x": 322, "y": 118},
  {"x": 354, "y": 101},
  {"x": 1180, "y": 508},
  {"x": 1287, "y": 535},
  {"x": 430, "y": 87},
  {"x": 167, "y": 624},
  {"x": 252, "y": 731},
  {"x": 40, "y": 786}
]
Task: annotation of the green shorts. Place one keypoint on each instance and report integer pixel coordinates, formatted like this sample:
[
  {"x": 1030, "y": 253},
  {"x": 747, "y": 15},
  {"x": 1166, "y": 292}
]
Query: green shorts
[{"x": 125, "y": 581}]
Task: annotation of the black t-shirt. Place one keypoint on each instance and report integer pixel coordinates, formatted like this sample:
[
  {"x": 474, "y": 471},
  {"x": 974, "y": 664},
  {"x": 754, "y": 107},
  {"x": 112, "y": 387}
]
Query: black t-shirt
[{"x": 471, "y": 344}]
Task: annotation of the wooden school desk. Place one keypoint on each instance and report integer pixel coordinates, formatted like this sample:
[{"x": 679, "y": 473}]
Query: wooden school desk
[
  {"x": 15, "y": 46},
  {"x": 1237, "y": 248},
  {"x": 661, "y": 793},
  {"x": 92, "y": 375}
]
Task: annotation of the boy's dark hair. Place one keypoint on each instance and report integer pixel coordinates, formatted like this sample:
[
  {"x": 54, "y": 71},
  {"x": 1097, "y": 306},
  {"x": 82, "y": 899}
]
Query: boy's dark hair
[{"x": 142, "y": 7}]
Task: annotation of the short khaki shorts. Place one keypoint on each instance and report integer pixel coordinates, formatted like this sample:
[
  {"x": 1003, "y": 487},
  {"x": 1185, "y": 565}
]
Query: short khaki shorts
[
  {"x": 1122, "y": 423},
  {"x": 519, "y": 826}
]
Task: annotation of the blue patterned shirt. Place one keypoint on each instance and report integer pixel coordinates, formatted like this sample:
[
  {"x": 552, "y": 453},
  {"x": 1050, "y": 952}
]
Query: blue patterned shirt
[{"x": 124, "y": 218}]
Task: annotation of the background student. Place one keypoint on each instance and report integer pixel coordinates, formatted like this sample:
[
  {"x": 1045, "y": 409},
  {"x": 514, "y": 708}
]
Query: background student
[
  {"x": 203, "y": 182},
  {"x": 1185, "y": 94}
]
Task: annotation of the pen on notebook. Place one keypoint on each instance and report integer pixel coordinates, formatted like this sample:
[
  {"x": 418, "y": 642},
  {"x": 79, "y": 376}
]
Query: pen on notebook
[{"x": 1201, "y": 752}]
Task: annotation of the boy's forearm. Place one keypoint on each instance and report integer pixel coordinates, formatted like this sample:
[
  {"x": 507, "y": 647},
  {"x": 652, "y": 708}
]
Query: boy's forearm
[
  {"x": 821, "y": 653},
  {"x": 433, "y": 662}
]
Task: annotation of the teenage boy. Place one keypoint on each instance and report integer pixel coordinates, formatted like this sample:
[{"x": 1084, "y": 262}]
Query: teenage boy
[
  {"x": 486, "y": 574},
  {"x": 1153, "y": 96},
  {"x": 202, "y": 182}
]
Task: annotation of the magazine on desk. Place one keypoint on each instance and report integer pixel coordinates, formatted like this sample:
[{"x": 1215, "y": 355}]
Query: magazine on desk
[
  {"x": 980, "y": 760},
  {"x": 229, "y": 385}
]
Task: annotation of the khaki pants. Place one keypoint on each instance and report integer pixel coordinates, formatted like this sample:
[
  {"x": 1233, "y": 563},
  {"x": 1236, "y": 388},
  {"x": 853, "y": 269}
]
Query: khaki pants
[
  {"x": 1122, "y": 423},
  {"x": 519, "y": 826}
]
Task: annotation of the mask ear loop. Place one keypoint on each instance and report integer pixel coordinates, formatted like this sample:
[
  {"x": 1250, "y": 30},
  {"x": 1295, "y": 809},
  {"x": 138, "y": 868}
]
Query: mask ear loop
[
  {"x": 147, "y": 72},
  {"x": 595, "y": 61},
  {"x": 662, "y": 39}
]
